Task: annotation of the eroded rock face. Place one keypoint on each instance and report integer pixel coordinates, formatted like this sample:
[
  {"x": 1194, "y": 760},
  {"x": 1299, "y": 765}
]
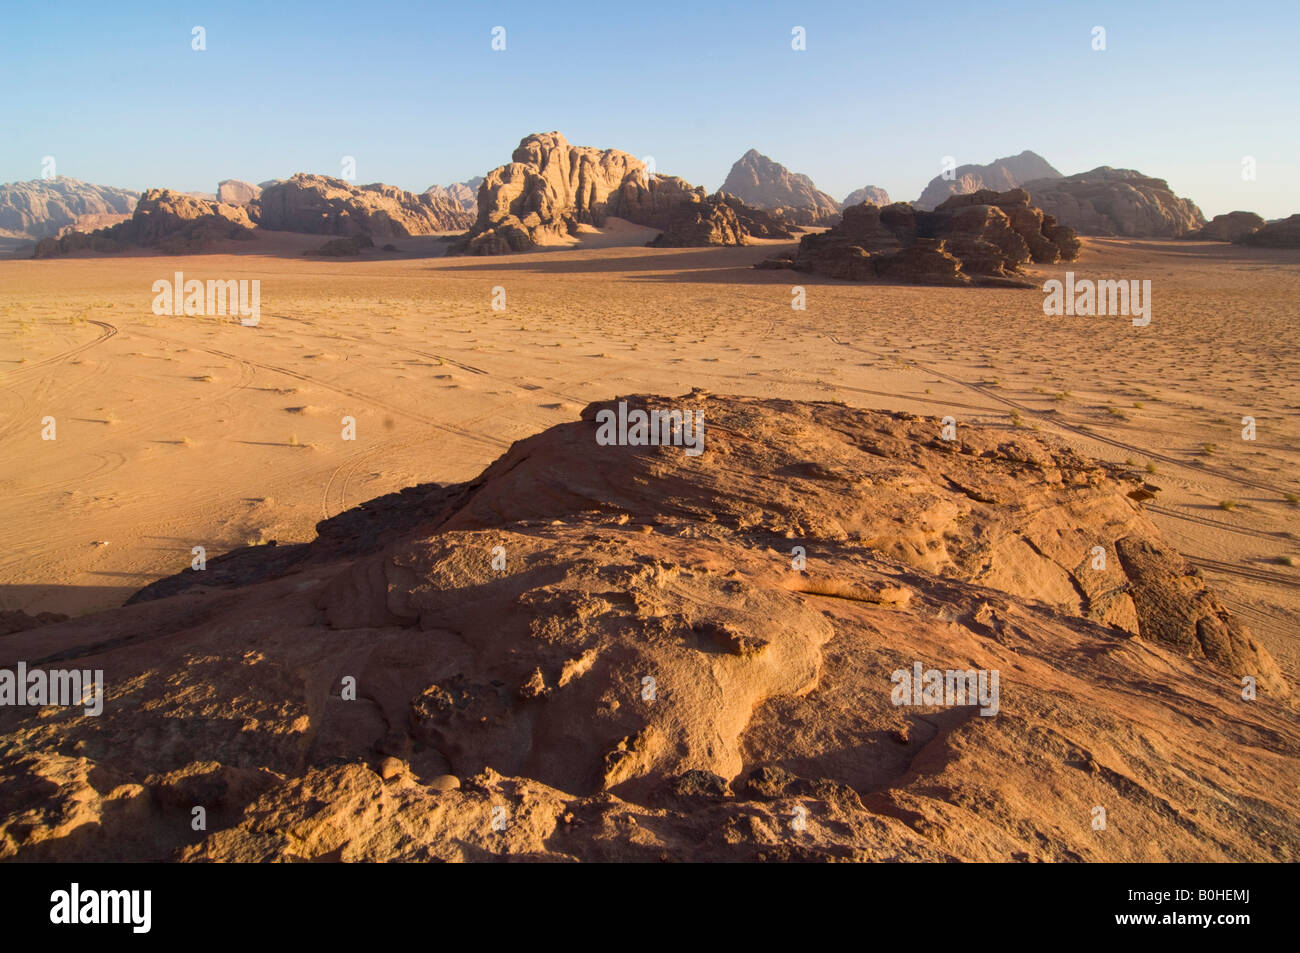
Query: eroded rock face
[
  {"x": 1118, "y": 202},
  {"x": 237, "y": 192},
  {"x": 172, "y": 222},
  {"x": 998, "y": 176},
  {"x": 552, "y": 189},
  {"x": 322, "y": 205},
  {"x": 42, "y": 208},
  {"x": 758, "y": 181},
  {"x": 868, "y": 193},
  {"x": 1284, "y": 233},
  {"x": 655, "y": 671},
  {"x": 984, "y": 238}
]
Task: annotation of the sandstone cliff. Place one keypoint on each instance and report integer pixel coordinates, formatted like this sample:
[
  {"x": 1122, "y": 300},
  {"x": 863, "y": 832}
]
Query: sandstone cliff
[
  {"x": 552, "y": 189},
  {"x": 172, "y": 222},
  {"x": 44, "y": 207},
  {"x": 321, "y": 205},
  {"x": 1118, "y": 202}
]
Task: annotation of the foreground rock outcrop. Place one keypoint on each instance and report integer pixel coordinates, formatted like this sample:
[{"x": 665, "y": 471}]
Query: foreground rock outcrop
[
  {"x": 764, "y": 184},
  {"x": 552, "y": 190},
  {"x": 980, "y": 238},
  {"x": 42, "y": 208},
  {"x": 172, "y": 222},
  {"x": 998, "y": 176},
  {"x": 1116, "y": 202},
  {"x": 868, "y": 193},
  {"x": 322, "y": 205},
  {"x": 632, "y": 653},
  {"x": 1284, "y": 233}
]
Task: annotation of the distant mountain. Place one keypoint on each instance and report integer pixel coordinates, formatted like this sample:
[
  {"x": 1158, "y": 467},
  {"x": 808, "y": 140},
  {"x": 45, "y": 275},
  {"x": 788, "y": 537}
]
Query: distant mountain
[
  {"x": 464, "y": 194},
  {"x": 999, "y": 175},
  {"x": 44, "y": 207},
  {"x": 237, "y": 191},
  {"x": 1118, "y": 202},
  {"x": 868, "y": 193},
  {"x": 758, "y": 181}
]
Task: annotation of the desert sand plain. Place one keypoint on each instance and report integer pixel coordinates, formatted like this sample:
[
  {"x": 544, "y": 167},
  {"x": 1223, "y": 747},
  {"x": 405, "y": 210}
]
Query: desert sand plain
[{"x": 175, "y": 432}]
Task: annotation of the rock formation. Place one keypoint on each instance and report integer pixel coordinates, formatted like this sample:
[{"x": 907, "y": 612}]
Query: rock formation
[
  {"x": 758, "y": 181},
  {"x": 1283, "y": 233},
  {"x": 999, "y": 175},
  {"x": 237, "y": 192},
  {"x": 172, "y": 222},
  {"x": 868, "y": 193},
  {"x": 463, "y": 194},
  {"x": 1116, "y": 202},
  {"x": 1227, "y": 228},
  {"x": 981, "y": 238},
  {"x": 321, "y": 205},
  {"x": 42, "y": 208},
  {"x": 654, "y": 676},
  {"x": 552, "y": 189},
  {"x": 344, "y": 247}
]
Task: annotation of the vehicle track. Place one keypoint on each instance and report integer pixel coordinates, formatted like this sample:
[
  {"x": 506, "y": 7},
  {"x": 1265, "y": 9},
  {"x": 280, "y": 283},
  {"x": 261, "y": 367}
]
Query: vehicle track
[
  {"x": 1086, "y": 432},
  {"x": 107, "y": 331},
  {"x": 1214, "y": 524},
  {"x": 1245, "y": 572}
]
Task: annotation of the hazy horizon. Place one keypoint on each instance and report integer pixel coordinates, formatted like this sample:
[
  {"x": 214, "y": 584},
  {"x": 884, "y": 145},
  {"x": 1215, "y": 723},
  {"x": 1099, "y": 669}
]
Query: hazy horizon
[{"x": 874, "y": 99}]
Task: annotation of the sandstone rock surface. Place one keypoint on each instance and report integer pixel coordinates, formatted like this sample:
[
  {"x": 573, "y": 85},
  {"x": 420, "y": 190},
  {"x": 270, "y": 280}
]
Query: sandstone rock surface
[{"x": 656, "y": 675}]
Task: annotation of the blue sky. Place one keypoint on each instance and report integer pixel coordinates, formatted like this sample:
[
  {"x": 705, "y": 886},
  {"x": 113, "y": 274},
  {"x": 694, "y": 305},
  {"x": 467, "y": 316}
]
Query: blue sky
[{"x": 416, "y": 94}]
